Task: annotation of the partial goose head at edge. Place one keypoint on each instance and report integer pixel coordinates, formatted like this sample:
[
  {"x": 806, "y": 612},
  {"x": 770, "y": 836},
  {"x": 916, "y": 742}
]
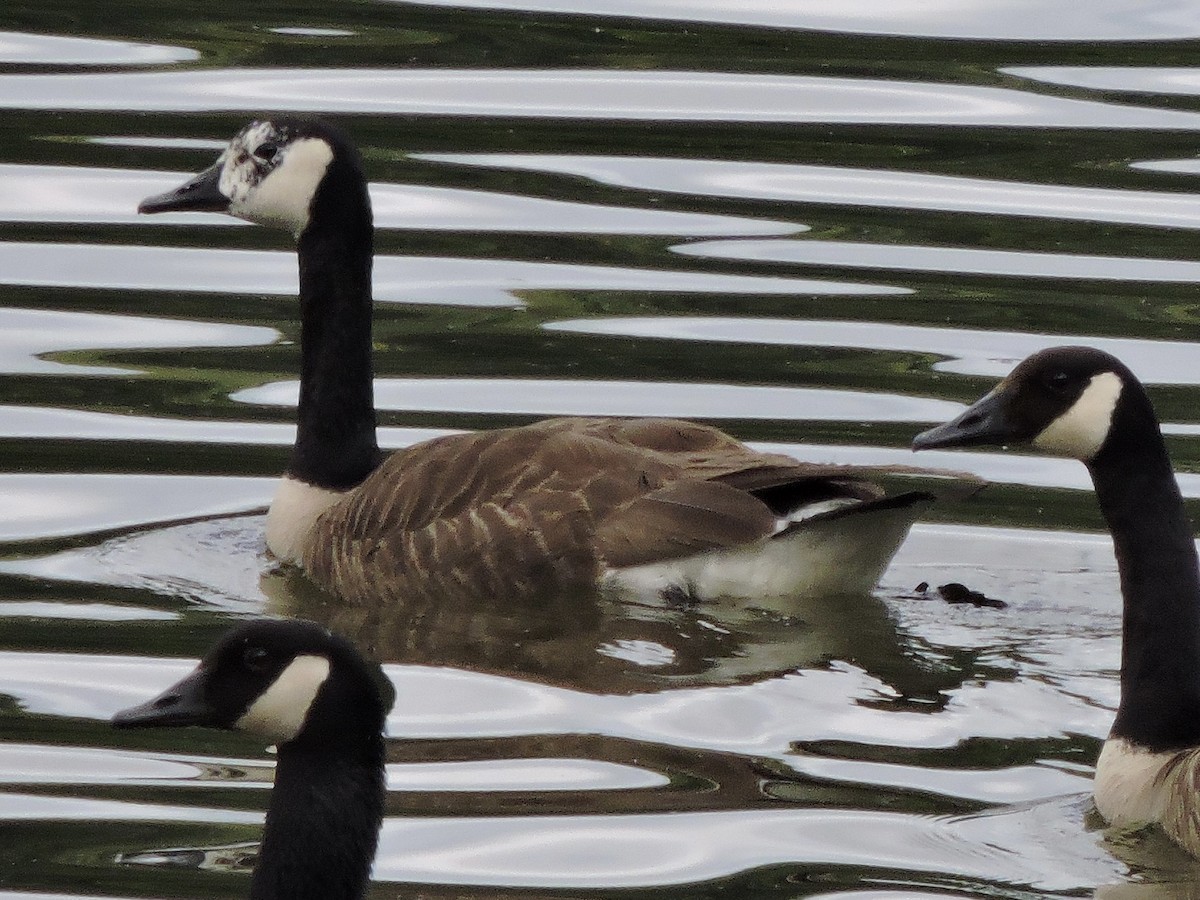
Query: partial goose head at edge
[
  {"x": 324, "y": 706},
  {"x": 1084, "y": 403},
  {"x": 1062, "y": 400}
]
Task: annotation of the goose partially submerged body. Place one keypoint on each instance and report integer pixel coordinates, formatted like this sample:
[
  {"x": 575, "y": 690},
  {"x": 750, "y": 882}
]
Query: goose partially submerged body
[
  {"x": 313, "y": 695},
  {"x": 644, "y": 506},
  {"x": 1083, "y": 403}
]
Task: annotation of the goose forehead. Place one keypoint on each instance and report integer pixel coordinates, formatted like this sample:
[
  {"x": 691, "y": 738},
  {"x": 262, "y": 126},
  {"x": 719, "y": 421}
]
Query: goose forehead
[
  {"x": 280, "y": 711},
  {"x": 1081, "y": 430},
  {"x": 257, "y": 132}
]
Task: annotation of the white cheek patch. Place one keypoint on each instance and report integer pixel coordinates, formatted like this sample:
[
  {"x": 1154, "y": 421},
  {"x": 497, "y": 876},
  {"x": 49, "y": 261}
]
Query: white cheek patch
[
  {"x": 282, "y": 196},
  {"x": 1080, "y": 432},
  {"x": 279, "y": 713}
]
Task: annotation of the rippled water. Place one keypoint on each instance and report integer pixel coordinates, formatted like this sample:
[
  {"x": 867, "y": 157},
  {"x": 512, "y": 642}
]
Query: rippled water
[{"x": 822, "y": 225}]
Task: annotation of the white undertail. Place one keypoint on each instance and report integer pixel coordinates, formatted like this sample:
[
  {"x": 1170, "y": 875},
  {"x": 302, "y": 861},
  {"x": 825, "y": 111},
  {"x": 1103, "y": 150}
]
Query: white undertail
[{"x": 843, "y": 554}]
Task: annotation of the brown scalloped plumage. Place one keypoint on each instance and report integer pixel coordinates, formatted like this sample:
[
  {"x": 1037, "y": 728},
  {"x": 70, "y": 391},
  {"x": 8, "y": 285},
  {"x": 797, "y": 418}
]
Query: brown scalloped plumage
[{"x": 548, "y": 506}]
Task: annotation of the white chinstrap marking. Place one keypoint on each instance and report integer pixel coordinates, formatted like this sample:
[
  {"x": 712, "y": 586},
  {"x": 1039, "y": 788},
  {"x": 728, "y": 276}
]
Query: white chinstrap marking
[
  {"x": 279, "y": 713},
  {"x": 294, "y": 510},
  {"x": 1080, "y": 432}
]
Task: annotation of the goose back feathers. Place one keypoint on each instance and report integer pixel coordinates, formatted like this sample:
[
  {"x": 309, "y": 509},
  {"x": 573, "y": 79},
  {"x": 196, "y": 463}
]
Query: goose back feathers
[
  {"x": 562, "y": 504},
  {"x": 1081, "y": 402},
  {"x": 565, "y": 503}
]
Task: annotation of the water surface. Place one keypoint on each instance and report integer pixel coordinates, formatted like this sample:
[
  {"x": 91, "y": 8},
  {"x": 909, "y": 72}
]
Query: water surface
[{"x": 822, "y": 226}]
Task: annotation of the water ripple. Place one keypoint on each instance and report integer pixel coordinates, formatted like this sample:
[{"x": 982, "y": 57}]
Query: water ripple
[
  {"x": 955, "y": 260},
  {"x": 58, "y": 50},
  {"x": 1132, "y": 79},
  {"x": 57, "y": 505},
  {"x": 1014, "y": 20},
  {"x": 579, "y": 93},
  {"x": 27, "y": 334},
  {"x": 679, "y": 848},
  {"x": 397, "y": 279},
  {"x": 583, "y": 397},
  {"x": 969, "y": 351},
  {"x": 842, "y": 185},
  {"x": 69, "y": 194}
]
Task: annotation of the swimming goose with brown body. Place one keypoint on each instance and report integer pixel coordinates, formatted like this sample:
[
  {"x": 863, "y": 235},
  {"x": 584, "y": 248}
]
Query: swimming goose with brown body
[
  {"x": 639, "y": 506},
  {"x": 1084, "y": 403}
]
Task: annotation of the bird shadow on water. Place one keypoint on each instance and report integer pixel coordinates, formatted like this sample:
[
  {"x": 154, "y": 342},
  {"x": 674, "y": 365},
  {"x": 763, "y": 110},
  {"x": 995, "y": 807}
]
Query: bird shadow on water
[
  {"x": 586, "y": 641},
  {"x": 598, "y": 643}
]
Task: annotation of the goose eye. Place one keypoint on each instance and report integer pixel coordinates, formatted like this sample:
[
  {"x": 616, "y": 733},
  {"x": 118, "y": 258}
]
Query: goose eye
[
  {"x": 1058, "y": 381},
  {"x": 256, "y": 659},
  {"x": 266, "y": 152}
]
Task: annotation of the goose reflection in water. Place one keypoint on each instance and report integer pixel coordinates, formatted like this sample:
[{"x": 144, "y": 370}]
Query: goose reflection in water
[{"x": 601, "y": 644}]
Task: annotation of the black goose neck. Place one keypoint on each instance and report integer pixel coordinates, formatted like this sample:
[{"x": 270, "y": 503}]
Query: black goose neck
[
  {"x": 335, "y": 438},
  {"x": 1160, "y": 582},
  {"x": 323, "y": 822}
]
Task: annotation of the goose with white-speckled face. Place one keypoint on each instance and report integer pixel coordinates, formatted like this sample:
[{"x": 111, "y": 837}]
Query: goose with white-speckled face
[
  {"x": 313, "y": 695},
  {"x": 641, "y": 507},
  {"x": 1083, "y": 403}
]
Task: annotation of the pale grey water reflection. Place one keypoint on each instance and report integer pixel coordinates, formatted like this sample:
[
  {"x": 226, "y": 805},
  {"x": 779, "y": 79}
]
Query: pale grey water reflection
[
  {"x": 88, "y": 425},
  {"x": 583, "y": 397},
  {"x": 70, "y": 194},
  {"x": 1171, "y": 166},
  {"x": 398, "y": 279},
  {"x": 1016, "y": 20},
  {"x": 532, "y": 169},
  {"x": 219, "y": 563},
  {"x": 857, "y": 187},
  {"x": 765, "y": 718},
  {"x": 969, "y": 351},
  {"x": 545, "y": 774},
  {"x": 59, "y": 50},
  {"x": 1125, "y": 79},
  {"x": 68, "y": 503},
  {"x": 33, "y": 808},
  {"x": 667, "y": 96},
  {"x": 48, "y": 764},
  {"x": 88, "y": 612},
  {"x": 686, "y": 848},
  {"x": 26, "y": 335},
  {"x": 955, "y": 260}
]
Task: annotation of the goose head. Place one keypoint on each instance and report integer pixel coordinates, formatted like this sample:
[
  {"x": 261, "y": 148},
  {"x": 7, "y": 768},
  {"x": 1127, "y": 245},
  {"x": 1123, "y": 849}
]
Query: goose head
[
  {"x": 287, "y": 681},
  {"x": 274, "y": 172},
  {"x": 1068, "y": 401}
]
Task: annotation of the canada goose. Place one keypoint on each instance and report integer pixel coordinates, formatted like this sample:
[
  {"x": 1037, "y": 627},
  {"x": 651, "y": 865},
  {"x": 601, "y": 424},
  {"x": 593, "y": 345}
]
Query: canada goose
[
  {"x": 646, "y": 506},
  {"x": 315, "y": 697},
  {"x": 1081, "y": 402}
]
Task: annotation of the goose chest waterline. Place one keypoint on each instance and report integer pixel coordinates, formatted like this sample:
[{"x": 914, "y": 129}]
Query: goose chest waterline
[
  {"x": 641, "y": 506},
  {"x": 1083, "y": 403}
]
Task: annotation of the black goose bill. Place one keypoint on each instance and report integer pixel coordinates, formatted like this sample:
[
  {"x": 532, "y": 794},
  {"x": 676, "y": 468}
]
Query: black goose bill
[
  {"x": 199, "y": 194},
  {"x": 987, "y": 421},
  {"x": 184, "y": 703}
]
